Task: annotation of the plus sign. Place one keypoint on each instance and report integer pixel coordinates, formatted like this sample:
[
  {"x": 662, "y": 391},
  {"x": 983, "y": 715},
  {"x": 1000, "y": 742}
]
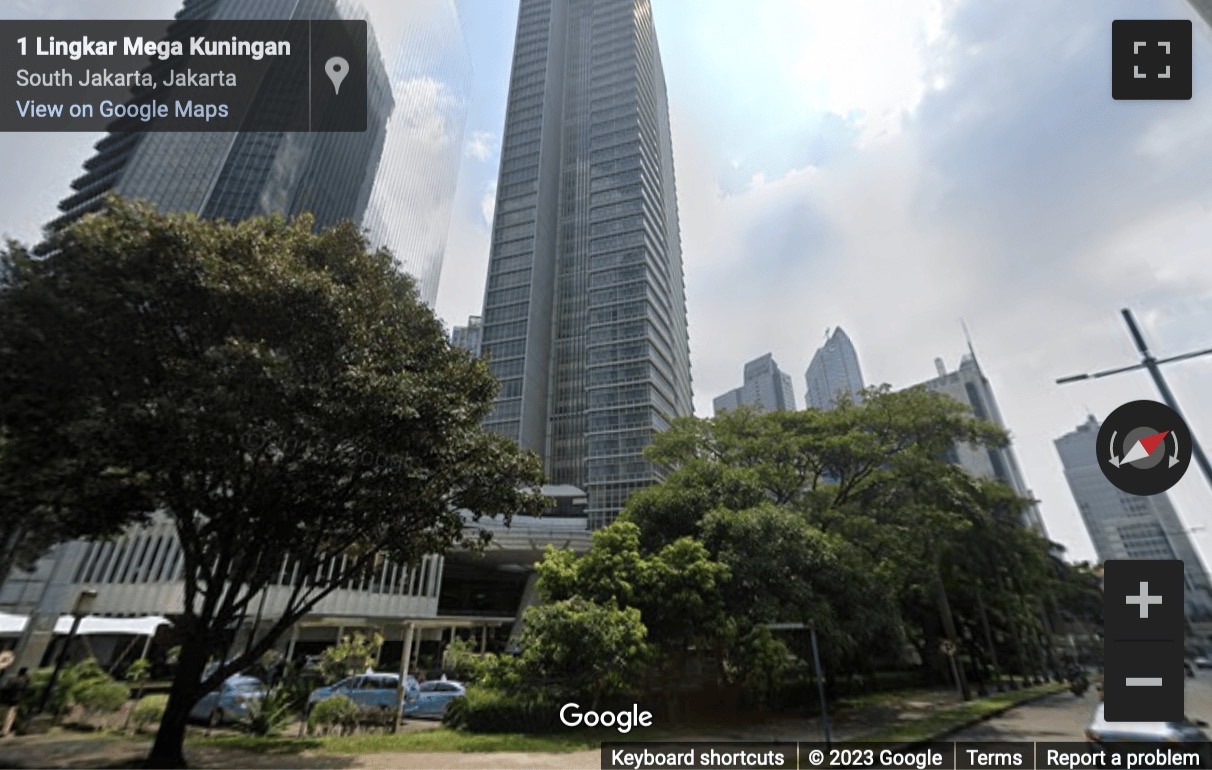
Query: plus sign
[{"x": 1144, "y": 600}]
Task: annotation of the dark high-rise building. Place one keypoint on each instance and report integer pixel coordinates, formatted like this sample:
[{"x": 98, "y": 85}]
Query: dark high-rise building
[
  {"x": 468, "y": 337},
  {"x": 236, "y": 175},
  {"x": 585, "y": 311}
]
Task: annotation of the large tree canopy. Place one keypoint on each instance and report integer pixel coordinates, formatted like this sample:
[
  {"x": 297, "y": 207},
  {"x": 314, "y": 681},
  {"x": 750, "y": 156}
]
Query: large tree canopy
[
  {"x": 854, "y": 521},
  {"x": 281, "y": 395}
]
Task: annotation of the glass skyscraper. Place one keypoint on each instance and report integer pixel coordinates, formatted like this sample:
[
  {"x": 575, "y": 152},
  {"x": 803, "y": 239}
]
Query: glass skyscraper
[
  {"x": 1124, "y": 526},
  {"x": 396, "y": 178},
  {"x": 766, "y": 386},
  {"x": 585, "y": 312},
  {"x": 833, "y": 371},
  {"x": 410, "y": 206}
]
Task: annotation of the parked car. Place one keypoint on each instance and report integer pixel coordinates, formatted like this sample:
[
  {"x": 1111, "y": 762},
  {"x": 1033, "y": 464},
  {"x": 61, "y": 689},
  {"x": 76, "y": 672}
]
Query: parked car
[
  {"x": 1203, "y": 662},
  {"x": 372, "y": 690},
  {"x": 434, "y": 698},
  {"x": 1100, "y": 732},
  {"x": 230, "y": 702}
]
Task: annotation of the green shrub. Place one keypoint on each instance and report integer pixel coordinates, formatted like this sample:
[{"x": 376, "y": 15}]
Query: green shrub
[
  {"x": 148, "y": 711},
  {"x": 83, "y": 684},
  {"x": 270, "y": 714},
  {"x": 485, "y": 710},
  {"x": 337, "y": 711},
  {"x": 100, "y": 696}
]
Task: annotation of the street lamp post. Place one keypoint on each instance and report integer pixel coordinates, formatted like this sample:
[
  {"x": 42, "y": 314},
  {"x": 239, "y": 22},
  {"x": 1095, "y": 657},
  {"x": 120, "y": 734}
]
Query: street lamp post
[
  {"x": 826, "y": 731},
  {"x": 83, "y": 606},
  {"x": 1152, "y": 365}
]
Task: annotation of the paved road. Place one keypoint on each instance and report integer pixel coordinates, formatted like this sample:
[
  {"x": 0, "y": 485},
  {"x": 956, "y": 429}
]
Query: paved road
[{"x": 1064, "y": 717}]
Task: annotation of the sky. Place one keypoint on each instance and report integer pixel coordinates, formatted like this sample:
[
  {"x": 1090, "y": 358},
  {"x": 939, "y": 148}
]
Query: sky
[{"x": 890, "y": 167}]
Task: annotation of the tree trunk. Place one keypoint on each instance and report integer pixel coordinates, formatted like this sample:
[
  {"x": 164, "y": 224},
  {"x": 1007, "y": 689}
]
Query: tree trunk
[
  {"x": 944, "y": 607},
  {"x": 997, "y": 669},
  {"x": 167, "y": 751}
]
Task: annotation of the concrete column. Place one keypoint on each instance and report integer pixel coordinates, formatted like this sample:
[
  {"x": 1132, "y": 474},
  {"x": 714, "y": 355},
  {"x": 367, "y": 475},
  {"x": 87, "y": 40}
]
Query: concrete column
[
  {"x": 530, "y": 596},
  {"x": 294, "y": 637},
  {"x": 483, "y": 639},
  {"x": 405, "y": 664}
]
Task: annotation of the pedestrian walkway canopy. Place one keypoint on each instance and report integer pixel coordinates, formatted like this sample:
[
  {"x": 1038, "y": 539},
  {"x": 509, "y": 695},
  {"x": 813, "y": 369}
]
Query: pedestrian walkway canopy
[{"x": 93, "y": 625}]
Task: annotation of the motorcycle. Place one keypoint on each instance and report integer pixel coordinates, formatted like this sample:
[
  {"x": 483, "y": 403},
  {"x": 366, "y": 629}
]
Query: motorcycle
[{"x": 1079, "y": 684}]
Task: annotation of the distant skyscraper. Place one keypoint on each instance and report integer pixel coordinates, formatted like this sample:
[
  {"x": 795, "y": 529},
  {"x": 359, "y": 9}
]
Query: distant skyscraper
[
  {"x": 765, "y": 386},
  {"x": 969, "y": 386},
  {"x": 834, "y": 370},
  {"x": 585, "y": 311},
  {"x": 468, "y": 337},
  {"x": 1124, "y": 526},
  {"x": 409, "y": 208}
]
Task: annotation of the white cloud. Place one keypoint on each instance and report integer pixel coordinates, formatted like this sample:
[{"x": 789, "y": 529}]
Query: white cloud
[
  {"x": 481, "y": 145},
  {"x": 869, "y": 62},
  {"x": 1012, "y": 193},
  {"x": 488, "y": 203}
]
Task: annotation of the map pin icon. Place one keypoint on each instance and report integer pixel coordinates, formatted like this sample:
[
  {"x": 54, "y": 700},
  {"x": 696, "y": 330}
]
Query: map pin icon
[{"x": 337, "y": 68}]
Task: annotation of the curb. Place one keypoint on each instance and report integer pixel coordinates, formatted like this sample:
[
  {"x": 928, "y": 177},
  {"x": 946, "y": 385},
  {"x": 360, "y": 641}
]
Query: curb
[{"x": 982, "y": 718}]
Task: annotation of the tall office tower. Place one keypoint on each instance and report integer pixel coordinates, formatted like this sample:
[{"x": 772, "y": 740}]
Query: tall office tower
[
  {"x": 969, "y": 386},
  {"x": 834, "y": 370},
  {"x": 766, "y": 386},
  {"x": 396, "y": 178},
  {"x": 468, "y": 337},
  {"x": 1124, "y": 526},
  {"x": 585, "y": 310},
  {"x": 410, "y": 205}
]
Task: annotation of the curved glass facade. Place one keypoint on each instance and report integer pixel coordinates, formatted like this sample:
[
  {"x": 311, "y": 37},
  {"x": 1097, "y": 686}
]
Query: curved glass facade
[{"x": 410, "y": 206}]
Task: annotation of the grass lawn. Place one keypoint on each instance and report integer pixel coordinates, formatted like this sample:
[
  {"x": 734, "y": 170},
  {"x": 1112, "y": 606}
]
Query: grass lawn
[
  {"x": 938, "y": 722},
  {"x": 437, "y": 739}
]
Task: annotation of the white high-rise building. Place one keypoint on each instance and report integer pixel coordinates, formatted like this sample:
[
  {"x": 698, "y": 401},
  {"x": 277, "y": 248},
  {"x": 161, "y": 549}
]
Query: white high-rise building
[
  {"x": 968, "y": 385},
  {"x": 1124, "y": 526},
  {"x": 834, "y": 370},
  {"x": 766, "y": 386}
]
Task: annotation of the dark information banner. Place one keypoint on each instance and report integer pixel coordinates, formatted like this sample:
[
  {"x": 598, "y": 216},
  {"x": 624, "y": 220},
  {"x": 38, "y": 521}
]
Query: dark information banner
[
  {"x": 251, "y": 75},
  {"x": 926, "y": 756}
]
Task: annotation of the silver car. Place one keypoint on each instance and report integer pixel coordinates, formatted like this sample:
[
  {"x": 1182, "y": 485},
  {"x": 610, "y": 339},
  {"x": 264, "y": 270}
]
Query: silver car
[
  {"x": 434, "y": 698},
  {"x": 1101, "y": 732},
  {"x": 231, "y": 702}
]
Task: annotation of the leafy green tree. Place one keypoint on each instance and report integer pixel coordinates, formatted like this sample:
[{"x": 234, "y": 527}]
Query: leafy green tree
[
  {"x": 352, "y": 655},
  {"x": 578, "y": 648},
  {"x": 677, "y": 589},
  {"x": 802, "y": 575},
  {"x": 137, "y": 675},
  {"x": 865, "y": 489},
  {"x": 279, "y": 395}
]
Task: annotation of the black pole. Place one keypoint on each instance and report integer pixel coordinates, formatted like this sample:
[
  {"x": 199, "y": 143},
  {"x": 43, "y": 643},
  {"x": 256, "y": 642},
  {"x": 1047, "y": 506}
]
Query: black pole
[
  {"x": 50, "y": 685},
  {"x": 1150, "y": 363},
  {"x": 820, "y": 686}
]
